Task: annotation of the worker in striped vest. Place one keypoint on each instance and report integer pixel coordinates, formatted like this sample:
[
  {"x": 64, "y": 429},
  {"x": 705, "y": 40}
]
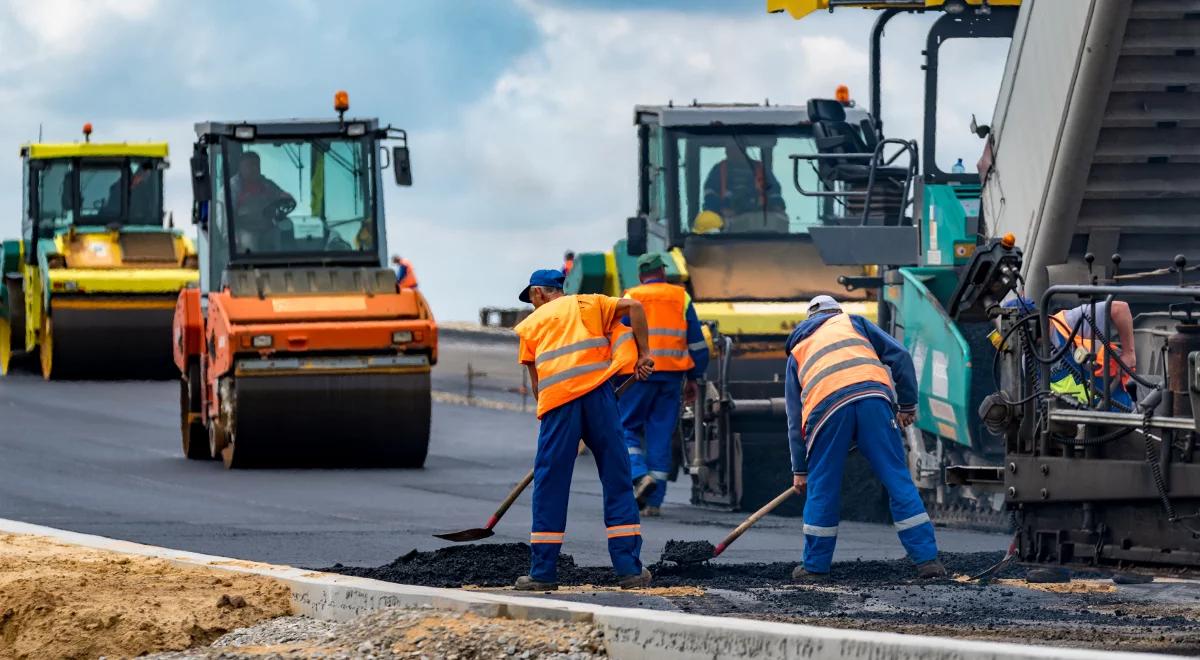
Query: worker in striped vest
[
  {"x": 572, "y": 346},
  {"x": 650, "y": 409},
  {"x": 839, "y": 392}
]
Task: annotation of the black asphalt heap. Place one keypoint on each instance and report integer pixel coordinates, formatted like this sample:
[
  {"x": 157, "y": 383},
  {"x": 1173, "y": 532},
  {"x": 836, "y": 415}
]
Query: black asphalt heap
[{"x": 872, "y": 595}]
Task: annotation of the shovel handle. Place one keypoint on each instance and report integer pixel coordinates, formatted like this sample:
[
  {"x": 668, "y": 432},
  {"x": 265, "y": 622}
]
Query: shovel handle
[
  {"x": 624, "y": 386},
  {"x": 754, "y": 517},
  {"x": 515, "y": 493}
]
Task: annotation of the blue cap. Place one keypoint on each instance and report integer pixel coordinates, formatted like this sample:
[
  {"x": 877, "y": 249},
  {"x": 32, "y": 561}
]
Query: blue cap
[{"x": 547, "y": 277}]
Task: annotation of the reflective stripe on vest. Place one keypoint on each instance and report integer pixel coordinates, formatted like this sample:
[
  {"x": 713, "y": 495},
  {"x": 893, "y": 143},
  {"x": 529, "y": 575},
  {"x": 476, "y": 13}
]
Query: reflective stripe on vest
[
  {"x": 834, "y": 357},
  {"x": 569, "y": 358},
  {"x": 666, "y": 315}
]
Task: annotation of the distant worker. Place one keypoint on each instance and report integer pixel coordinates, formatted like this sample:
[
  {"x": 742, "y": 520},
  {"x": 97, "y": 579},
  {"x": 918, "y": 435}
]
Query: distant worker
[
  {"x": 406, "y": 276},
  {"x": 838, "y": 393},
  {"x": 744, "y": 193},
  {"x": 568, "y": 263},
  {"x": 650, "y": 409},
  {"x": 572, "y": 346},
  {"x": 1068, "y": 376}
]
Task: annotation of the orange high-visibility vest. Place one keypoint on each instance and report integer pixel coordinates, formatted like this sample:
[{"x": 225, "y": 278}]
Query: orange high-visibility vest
[
  {"x": 1092, "y": 345},
  {"x": 409, "y": 281},
  {"x": 568, "y": 264},
  {"x": 569, "y": 358},
  {"x": 666, "y": 314},
  {"x": 833, "y": 357}
]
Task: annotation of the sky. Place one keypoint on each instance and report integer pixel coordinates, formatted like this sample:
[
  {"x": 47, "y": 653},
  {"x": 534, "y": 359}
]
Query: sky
[{"x": 519, "y": 112}]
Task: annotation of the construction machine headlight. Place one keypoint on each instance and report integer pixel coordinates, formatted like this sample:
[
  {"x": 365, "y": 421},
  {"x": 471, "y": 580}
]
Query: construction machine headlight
[
  {"x": 56, "y": 261},
  {"x": 191, "y": 261},
  {"x": 244, "y": 132},
  {"x": 356, "y": 130},
  {"x": 402, "y": 336},
  {"x": 262, "y": 341}
]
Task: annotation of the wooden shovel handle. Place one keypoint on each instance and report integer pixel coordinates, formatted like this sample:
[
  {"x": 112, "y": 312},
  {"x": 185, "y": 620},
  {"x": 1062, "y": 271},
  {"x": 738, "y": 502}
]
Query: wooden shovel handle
[
  {"x": 754, "y": 517},
  {"x": 516, "y": 492}
]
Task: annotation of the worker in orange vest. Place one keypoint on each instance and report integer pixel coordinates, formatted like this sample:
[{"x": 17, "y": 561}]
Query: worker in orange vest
[
  {"x": 406, "y": 277},
  {"x": 838, "y": 391},
  {"x": 650, "y": 409},
  {"x": 572, "y": 346},
  {"x": 568, "y": 262}
]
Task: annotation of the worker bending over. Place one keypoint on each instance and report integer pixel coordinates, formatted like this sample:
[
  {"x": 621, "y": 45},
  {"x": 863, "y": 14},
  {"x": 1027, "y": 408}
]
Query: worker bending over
[
  {"x": 838, "y": 393},
  {"x": 650, "y": 409},
  {"x": 406, "y": 276},
  {"x": 1088, "y": 353},
  {"x": 572, "y": 346}
]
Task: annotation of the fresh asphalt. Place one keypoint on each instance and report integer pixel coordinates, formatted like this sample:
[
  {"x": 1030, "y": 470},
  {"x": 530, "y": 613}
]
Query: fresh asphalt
[{"x": 104, "y": 458}]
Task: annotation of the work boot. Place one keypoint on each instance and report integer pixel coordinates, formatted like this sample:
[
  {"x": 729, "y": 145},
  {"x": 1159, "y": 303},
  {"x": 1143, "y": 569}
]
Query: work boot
[
  {"x": 526, "y": 583},
  {"x": 643, "y": 488},
  {"x": 805, "y": 576},
  {"x": 927, "y": 570},
  {"x": 651, "y": 512},
  {"x": 635, "y": 581}
]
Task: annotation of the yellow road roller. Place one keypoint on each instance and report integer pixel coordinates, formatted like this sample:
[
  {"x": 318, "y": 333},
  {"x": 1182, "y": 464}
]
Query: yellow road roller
[{"x": 90, "y": 287}]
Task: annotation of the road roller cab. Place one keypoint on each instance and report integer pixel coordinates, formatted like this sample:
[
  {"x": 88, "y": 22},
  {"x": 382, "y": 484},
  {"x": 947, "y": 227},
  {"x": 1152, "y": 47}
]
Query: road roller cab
[
  {"x": 92, "y": 282},
  {"x": 299, "y": 347}
]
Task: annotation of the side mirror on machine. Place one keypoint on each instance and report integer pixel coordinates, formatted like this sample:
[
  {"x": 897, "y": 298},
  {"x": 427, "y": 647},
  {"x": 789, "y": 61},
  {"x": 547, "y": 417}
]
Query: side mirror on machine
[
  {"x": 201, "y": 190},
  {"x": 401, "y": 166},
  {"x": 636, "y": 231}
]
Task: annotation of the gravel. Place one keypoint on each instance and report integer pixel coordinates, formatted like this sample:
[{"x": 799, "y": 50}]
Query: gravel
[{"x": 405, "y": 633}]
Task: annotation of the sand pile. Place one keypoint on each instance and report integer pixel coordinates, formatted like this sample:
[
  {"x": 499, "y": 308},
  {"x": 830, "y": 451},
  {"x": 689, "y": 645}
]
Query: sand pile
[{"x": 63, "y": 601}]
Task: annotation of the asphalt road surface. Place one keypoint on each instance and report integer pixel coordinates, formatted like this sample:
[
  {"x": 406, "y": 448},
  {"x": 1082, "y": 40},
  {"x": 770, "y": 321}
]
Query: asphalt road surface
[{"x": 104, "y": 458}]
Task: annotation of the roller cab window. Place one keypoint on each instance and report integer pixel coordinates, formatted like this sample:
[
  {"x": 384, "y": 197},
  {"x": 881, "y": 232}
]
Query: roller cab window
[
  {"x": 301, "y": 199},
  {"x": 96, "y": 192},
  {"x": 732, "y": 182}
]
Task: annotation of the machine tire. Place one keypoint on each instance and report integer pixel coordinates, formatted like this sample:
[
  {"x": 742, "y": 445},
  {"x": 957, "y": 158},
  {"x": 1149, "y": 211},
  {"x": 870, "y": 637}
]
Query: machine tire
[
  {"x": 46, "y": 350},
  {"x": 5, "y": 346},
  {"x": 217, "y": 439},
  {"x": 194, "y": 434},
  {"x": 411, "y": 448}
]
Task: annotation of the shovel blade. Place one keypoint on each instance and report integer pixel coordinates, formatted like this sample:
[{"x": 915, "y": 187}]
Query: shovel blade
[{"x": 467, "y": 535}]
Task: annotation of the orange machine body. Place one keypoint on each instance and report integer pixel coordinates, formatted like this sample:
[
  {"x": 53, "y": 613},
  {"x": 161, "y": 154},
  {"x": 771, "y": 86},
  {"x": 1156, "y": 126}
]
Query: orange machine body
[{"x": 299, "y": 326}]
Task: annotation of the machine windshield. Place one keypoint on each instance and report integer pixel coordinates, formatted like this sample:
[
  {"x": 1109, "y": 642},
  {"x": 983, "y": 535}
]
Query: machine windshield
[
  {"x": 310, "y": 196},
  {"x": 732, "y": 182},
  {"x": 98, "y": 192}
]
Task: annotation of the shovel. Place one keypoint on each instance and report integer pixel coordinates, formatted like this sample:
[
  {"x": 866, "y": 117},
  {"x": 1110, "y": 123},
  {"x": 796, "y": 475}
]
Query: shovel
[
  {"x": 480, "y": 533},
  {"x": 695, "y": 552}
]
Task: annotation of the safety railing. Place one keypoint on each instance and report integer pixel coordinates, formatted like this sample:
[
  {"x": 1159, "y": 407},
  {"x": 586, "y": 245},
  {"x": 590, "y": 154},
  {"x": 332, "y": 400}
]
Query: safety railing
[{"x": 875, "y": 161}]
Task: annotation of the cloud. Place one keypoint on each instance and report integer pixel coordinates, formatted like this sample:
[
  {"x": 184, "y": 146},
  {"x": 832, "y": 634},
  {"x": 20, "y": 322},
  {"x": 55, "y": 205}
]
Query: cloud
[{"x": 547, "y": 160}]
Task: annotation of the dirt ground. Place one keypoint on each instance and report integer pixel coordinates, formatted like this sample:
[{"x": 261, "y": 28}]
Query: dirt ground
[{"x": 63, "y": 601}]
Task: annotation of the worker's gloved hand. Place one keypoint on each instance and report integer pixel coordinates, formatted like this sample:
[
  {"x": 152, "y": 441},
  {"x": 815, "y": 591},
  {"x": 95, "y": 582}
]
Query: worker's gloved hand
[
  {"x": 644, "y": 367},
  {"x": 799, "y": 483},
  {"x": 691, "y": 389},
  {"x": 905, "y": 419}
]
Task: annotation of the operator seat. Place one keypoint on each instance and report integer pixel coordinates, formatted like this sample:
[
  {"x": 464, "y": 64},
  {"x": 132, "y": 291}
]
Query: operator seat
[{"x": 834, "y": 135}]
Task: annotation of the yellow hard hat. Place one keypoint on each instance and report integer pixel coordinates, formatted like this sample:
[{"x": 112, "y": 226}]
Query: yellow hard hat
[{"x": 707, "y": 221}]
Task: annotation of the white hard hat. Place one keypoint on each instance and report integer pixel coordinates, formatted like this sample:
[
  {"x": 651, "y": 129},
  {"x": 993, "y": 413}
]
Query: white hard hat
[{"x": 823, "y": 304}]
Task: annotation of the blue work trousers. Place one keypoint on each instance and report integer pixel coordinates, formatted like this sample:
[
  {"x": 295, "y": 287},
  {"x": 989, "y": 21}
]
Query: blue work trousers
[
  {"x": 871, "y": 422},
  {"x": 592, "y": 417},
  {"x": 649, "y": 415}
]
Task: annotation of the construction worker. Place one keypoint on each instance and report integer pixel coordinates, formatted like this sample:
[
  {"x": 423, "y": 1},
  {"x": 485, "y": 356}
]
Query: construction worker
[
  {"x": 406, "y": 277},
  {"x": 568, "y": 262},
  {"x": 839, "y": 393},
  {"x": 1068, "y": 376},
  {"x": 650, "y": 408},
  {"x": 744, "y": 193},
  {"x": 572, "y": 346}
]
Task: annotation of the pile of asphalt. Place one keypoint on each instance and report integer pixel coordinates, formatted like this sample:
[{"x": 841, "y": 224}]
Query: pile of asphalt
[
  {"x": 869, "y": 595},
  {"x": 499, "y": 565}
]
